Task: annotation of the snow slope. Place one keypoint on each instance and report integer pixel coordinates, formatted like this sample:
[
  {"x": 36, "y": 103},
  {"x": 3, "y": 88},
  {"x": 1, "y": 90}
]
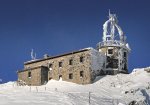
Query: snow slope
[{"x": 120, "y": 89}]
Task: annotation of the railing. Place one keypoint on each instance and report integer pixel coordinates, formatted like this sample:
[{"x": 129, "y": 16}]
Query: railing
[{"x": 110, "y": 43}]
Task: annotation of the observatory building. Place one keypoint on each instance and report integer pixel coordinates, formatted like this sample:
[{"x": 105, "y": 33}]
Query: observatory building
[
  {"x": 109, "y": 58},
  {"x": 114, "y": 46}
]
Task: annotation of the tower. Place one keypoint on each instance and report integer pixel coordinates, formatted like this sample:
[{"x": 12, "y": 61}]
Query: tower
[{"x": 114, "y": 46}]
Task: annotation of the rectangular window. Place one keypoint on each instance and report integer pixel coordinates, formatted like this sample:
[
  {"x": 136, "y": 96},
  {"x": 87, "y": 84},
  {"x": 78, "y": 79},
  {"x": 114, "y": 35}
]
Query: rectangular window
[
  {"x": 60, "y": 64},
  {"x": 81, "y": 73},
  {"x": 50, "y": 65},
  {"x": 81, "y": 59},
  {"x": 70, "y": 76},
  {"x": 110, "y": 51},
  {"x": 125, "y": 54},
  {"x": 60, "y": 77},
  {"x": 29, "y": 74},
  {"x": 70, "y": 62}
]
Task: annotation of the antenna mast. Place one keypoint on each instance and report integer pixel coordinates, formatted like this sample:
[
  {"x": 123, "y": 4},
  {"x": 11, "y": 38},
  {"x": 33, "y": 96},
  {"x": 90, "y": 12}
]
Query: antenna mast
[{"x": 33, "y": 55}]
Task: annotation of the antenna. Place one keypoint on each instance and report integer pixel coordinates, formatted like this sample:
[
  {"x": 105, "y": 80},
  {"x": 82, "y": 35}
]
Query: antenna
[
  {"x": 109, "y": 13},
  {"x": 33, "y": 55}
]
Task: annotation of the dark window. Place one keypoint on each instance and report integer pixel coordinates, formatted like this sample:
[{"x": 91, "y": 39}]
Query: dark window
[
  {"x": 110, "y": 51},
  {"x": 70, "y": 62},
  {"x": 81, "y": 73},
  {"x": 112, "y": 63},
  {"x": 60, "y": 76},
  {"x": 70, "y": 76},
  {"x": 29, "y": 74},
  {"x": 108, "y": 38},
  {"x": 60, "y": 64},
  {"x": 50, "y": 65},
  {"x": 125, "y": 54},
  {"x": 81, "y": 59}
]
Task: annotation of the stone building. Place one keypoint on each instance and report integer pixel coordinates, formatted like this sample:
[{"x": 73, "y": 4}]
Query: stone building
[
  {"x": 79, "y": 67},
  {"x": 82, "y": 66}
]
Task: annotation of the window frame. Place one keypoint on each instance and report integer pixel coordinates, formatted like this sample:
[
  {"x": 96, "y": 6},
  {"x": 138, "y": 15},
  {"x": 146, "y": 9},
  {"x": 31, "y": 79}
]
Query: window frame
[
  {"x": 50, "y": 65},
  {"x": 70, "y": 75},
  {"x": 60, "y": 64},
  {"x": 70, "y": 61},
  {"x": 29, "y": 74},
  {"x": 81, "y": 74},
  {"x": 110, "y": 50},
  {"x": 124, "y": 54},
  {"x": 81, "y": 59}
]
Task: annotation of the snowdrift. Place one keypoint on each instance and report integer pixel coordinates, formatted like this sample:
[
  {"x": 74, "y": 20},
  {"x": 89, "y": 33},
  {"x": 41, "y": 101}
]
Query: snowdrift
[{"x": 121, "y": 89}]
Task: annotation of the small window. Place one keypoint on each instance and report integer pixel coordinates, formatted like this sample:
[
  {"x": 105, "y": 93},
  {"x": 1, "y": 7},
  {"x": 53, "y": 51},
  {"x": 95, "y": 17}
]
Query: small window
[
  {"x": 81, "y": 59},
  {"x": 70, "y": 62},
  {"x": 50, "y": 78},
  {"x": 81, "y": 73},
  {"x": 110, "y": 51},
  {"x": 50, "y": 65},
  {"x": 29, "y": 74},
  {"x": 60, "y": 64},
  {"x": 70, "y": 76},
  {"x": 108, "y": 38},
  {"x": 125, "y": 54},
  {"x": 60, "y": 77}
]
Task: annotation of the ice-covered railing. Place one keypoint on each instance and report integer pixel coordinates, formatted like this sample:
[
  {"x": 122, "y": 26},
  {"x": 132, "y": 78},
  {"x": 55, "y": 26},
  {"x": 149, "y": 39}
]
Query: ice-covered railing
[
  {"x": 110, "y": 43},
  {"x": 113, "y": 43}
]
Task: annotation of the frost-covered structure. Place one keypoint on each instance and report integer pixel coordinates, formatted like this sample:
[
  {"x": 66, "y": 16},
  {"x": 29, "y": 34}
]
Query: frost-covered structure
[
  {"x": 114, "y": 46},
  {"x": 81, "y": 66}
]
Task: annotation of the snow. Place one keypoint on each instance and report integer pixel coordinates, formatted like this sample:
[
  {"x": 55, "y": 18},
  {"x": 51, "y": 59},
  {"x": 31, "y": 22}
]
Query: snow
[
  {"x": 97, "y": 60},
  {"x": 128, "y": 47},
  {"x": 120, "y": 89}
]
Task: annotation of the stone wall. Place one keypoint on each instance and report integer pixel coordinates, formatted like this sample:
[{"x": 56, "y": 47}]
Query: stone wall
[
  {"x": 35, "y": 78},
  {"x": 79, "y": 72}
]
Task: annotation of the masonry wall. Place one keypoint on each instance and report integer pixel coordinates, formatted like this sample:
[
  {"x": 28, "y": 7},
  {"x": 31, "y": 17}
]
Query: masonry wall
[
  {"x": 37, "y": 78},
  {"x": 114, "y": 64},
  {"x": 57, "y": 73}
]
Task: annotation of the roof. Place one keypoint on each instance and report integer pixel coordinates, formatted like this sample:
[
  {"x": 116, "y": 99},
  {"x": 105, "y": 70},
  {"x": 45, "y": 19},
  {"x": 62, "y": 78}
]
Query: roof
[{"x": 51, "y": 57}]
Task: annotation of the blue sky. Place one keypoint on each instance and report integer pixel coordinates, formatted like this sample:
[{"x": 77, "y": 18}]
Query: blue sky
[{"x": 59, "y": 26}]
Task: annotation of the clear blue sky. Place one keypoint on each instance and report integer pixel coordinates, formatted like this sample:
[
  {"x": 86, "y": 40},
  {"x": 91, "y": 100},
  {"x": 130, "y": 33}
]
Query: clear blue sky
[{"x": 59, "y": 26}]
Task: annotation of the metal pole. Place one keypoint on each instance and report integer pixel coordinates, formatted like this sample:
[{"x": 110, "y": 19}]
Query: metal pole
[{"x": 89, "y": 98}]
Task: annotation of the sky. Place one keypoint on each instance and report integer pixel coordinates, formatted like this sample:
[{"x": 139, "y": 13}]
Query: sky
[{"x": 59, "y": 26}]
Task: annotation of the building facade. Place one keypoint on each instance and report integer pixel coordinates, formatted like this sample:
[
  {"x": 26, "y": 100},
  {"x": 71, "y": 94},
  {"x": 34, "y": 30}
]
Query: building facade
[
  {"x": 79, "y": 67},
  {"x": 82, "y": 66}
]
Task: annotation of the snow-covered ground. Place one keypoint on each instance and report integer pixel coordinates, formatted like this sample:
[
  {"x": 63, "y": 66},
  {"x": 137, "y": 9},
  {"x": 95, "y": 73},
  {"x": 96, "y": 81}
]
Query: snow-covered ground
[{"x": 120, "y": 89}]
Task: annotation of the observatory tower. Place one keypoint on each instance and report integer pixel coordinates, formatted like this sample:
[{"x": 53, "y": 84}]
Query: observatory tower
[{"x": 114, "y": 46}]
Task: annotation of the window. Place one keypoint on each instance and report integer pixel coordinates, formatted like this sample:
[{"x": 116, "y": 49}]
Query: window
[
  {"x": 60, "y": 77},
  {"x": 50, "y": 78},
  {"x": 81, "y": 73},
  {"x": 70, "y": 62},
  {"x": 60, "y": 64},
  {"x": 29, "y": 74},
  {"x": 110, "y": 51},
  {"x": 70, "y": 76},
  {"x": 81, "y": 59},
  {"x": 108, "y": 38},
  {"x": 125, "y": 54},
  {"x": 50, "y": 65}
]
